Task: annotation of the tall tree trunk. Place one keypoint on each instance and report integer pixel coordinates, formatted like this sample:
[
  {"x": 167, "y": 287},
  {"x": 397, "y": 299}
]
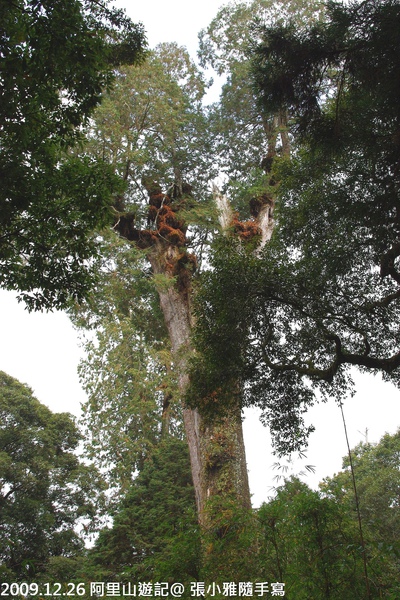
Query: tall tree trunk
[
  {"x": 216, "y": 444},
  {"x": 216, "y": 447}
]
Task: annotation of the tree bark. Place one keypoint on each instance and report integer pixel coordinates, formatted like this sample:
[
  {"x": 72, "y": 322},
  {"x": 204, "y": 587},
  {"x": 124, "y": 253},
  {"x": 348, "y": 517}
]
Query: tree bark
[{"x": 216, "y": 447}]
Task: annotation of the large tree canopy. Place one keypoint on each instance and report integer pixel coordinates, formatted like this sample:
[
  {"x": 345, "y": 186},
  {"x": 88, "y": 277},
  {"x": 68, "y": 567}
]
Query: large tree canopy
[
  {"x": 326, "y": 294},
  {"x": 152, "y": 128},
  {"x": 246, "y": 135},
  {"x": 338, "y": 228},
  {"x": 56, "y": 59}
]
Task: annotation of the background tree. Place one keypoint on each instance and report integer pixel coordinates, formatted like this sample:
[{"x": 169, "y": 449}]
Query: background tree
[
  {"x": 325, "y": 294},
  {"x": 376, "y": 468},
  {"x": 155, "y": 534},
  {"x": 310, "y": 542},
  {"x": 56, "y": 60},
  {"x": 127, "y": 371},
  {"x": 310, "y": 539},
  {"x": 46, "y": 492}
]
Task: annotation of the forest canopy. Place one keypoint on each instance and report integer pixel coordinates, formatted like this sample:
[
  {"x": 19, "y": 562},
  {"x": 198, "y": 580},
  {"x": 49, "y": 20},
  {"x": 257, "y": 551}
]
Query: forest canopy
[
  {"x": 47, "y": 494},
  {"x": 300, "y": 283},
  {"x": 57, "y": 58},
  {"x": 325, "y": 293}
]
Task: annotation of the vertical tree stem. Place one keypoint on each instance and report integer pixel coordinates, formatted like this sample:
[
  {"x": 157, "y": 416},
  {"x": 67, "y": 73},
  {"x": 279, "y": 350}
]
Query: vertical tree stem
[{"x": 357, "y": 508}]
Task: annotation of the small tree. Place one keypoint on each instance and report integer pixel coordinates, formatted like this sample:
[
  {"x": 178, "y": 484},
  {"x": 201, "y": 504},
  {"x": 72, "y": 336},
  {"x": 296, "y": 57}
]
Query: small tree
[
  {"x": 311, "y": 540},
  {"x": 376, "y": 470},
  {"x": 45, "y": 491},
  {"x": 310, "y": 543},
  {"x": 155, "y": 534}
]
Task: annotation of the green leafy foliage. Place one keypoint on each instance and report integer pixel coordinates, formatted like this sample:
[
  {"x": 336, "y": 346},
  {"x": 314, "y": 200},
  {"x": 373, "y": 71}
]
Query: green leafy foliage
[
  {"x": 245, "y": 134},
  {"x": 127, "y": 373},
  {"x": 46, "y": 492},
  {"x": 47, "y": 252},
  {"x": 324, "y": 294},
  {"x": 56, "y": 60},
  {"x": 230, "y": 338},
  {"x": 376, "y": 468},
  {"x": 310, "y": 543},
  {"x": 336, "y": 76},
  {"x": 152, "y": 126},
  {"x": 154, "y": 536},
  {"x": 310, "y": 540},
  {"x": 337, "y": 235}
]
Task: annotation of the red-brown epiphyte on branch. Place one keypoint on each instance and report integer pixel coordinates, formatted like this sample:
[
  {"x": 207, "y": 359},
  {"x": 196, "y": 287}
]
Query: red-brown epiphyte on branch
[
  {"x": 169, "y": 226},
  {"x": 161, "y": 214},
  {"x": 167, "y": 215},
  {"x": 176, "y": 237},
  {"x": 158, "y": 200},
  {"x": 246, "y": 230}
]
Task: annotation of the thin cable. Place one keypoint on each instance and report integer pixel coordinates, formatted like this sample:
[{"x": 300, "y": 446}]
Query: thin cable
[{"x": 364, "y": 554}]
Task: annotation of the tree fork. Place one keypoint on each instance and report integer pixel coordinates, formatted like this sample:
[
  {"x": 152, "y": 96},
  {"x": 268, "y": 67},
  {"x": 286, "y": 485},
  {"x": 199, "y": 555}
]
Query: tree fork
[{"x": 216, "y": 445}]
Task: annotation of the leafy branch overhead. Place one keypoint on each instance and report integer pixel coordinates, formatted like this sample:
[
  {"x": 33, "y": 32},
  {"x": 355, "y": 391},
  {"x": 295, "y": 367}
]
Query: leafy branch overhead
[
  {"x": 56, "y": 60},
  {"x": 325, "y": 294},
  {"x": 338, "y": 234}
]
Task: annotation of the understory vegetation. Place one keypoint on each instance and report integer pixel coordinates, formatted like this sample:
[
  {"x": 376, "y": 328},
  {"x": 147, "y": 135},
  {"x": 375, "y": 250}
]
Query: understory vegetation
[{"x": 51, "y": 504}]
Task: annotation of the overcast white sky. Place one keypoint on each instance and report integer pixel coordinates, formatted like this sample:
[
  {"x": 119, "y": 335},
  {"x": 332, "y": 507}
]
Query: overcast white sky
[{"x": 42, "y": 349}]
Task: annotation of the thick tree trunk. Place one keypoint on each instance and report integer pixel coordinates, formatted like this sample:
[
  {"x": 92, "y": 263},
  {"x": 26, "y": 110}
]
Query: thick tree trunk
[{"x": 216, "y": 447}]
